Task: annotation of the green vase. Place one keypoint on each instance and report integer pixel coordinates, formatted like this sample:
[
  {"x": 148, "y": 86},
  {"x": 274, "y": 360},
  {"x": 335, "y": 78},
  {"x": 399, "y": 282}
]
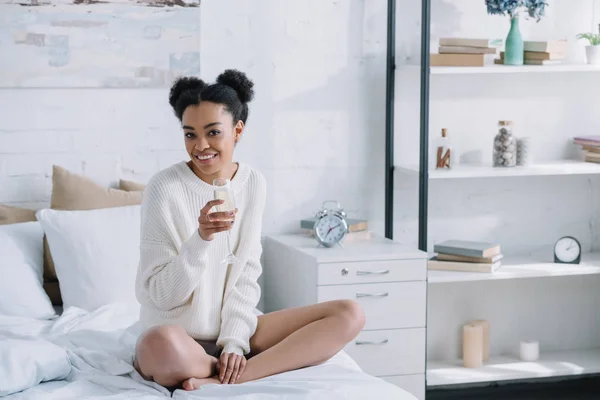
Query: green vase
[{"x": 513, "y": 51}]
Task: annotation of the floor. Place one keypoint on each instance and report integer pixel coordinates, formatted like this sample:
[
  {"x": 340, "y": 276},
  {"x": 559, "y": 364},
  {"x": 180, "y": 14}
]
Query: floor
[{"x": 575, "y": 389}]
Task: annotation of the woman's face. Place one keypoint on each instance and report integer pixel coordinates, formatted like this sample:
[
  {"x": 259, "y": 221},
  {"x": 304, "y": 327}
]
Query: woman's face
[{"x": 210, "y": 136}]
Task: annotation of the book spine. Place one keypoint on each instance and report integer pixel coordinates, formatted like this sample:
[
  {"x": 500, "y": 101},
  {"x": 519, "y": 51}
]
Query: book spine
[{"x": 458, "y": 251}]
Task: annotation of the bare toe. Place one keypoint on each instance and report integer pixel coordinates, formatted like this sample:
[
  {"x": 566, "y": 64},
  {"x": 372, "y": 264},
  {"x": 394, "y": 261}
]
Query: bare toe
[
  {"x": 188, "y": 384},
  {"x": 195, "y": 383}
]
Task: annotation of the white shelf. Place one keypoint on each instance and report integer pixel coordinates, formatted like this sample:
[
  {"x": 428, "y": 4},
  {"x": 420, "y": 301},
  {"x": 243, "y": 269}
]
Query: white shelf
[
  {"x": 511, "y": 69},
  {"x": 522, "y": 267},
  {"x": 550, "y": 364},
  {"x": 566, "y": 167}
]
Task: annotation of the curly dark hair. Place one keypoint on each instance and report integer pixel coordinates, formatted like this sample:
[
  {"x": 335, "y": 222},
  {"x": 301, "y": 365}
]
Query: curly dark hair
[{"x": 233, "y": 89}]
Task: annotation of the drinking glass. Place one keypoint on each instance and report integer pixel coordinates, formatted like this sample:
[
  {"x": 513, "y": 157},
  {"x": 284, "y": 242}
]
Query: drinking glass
[{"x": 222, "y": 191}]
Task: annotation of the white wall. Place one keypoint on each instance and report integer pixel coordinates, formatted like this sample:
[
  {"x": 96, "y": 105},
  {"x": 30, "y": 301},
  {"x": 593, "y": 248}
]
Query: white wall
[{"x": 316, "y": 127}]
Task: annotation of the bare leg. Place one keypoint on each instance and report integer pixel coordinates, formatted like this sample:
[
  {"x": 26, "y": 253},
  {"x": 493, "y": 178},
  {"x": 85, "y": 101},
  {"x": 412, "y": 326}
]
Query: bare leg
[
  {"x": 167, "y": 355},
  {"x": 300, "y": 337}
]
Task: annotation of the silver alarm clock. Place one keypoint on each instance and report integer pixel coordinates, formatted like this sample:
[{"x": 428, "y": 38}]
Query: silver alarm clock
[{"x": 330, "y": 226}]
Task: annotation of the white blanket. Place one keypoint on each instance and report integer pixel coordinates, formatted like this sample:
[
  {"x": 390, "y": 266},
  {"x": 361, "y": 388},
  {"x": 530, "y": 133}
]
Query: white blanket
[{"x": 84, "y": 355}]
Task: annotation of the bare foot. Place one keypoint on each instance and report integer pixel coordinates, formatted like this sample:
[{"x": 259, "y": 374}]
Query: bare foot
[{"x": 195, "y": 383}]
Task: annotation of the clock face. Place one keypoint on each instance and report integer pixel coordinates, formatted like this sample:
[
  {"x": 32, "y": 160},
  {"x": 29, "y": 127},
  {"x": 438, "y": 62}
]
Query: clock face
[
  {"x": 567, "y": 249},
  {"x": 330, "y": 229}
]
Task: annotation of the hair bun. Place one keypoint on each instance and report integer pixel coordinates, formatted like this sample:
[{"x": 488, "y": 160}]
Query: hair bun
[
  {"x": 182, "y": 85},
  {"x": 239, "y": 82}
]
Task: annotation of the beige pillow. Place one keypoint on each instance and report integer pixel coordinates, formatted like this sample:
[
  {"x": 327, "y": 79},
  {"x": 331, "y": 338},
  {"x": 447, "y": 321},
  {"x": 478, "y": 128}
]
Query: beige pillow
[
  {"x": 75, "y": 192},
  {"x": 131, "y": 186},
  {"x": 15, "y": 215}
]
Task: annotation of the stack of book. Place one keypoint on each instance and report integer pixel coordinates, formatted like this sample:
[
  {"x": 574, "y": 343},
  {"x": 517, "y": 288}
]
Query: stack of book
[
  {"x": 464, "y": 52},
  {"x": 548, "y": 52},
  {"x": 590, "y": 146},
  {"x": 466, "y": 256}
]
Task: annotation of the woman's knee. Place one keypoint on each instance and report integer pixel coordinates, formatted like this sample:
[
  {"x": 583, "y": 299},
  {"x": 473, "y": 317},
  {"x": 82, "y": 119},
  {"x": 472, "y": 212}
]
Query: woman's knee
[
  {"x": 160, "y": 354},
  {"x": 352, "y": 315}
]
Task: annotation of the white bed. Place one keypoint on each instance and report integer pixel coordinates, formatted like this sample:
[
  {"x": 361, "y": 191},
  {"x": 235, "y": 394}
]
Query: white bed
[
  {"x": 87, "y": 355},
  {"x": 87, "y": 351}
]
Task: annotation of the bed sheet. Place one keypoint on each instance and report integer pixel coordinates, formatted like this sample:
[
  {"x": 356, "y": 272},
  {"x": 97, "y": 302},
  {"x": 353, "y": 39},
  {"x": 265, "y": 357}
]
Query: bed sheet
[{"x": 88, "y": 355}]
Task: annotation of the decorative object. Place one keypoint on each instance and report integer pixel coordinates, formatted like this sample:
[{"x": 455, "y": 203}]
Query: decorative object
[
  {"x": 523, "y": 151},
  {"x": 592, "y": 52},
  {"x": 514, "y": 51},
  {"x": 529, "y": 350},
  {"x": 505, "y": 146},
  {"x": 443, "y": 151},
  {"x": 567, "y": 250},
  {"x": 485, "y": 343},
  {"x": 330, "y": 226},
  {"x": 472, "y": 345},
  {"x": 89, "y": 43}
]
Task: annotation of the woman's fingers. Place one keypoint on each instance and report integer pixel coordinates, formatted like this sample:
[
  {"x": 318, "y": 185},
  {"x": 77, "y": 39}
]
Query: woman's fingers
[
  {"x": 241, "y": 369},
  {"x": 231, "y": 365},
  {"x": 216, "y": 224},
  {"x": 223, "y": 365},
  {"x": 220, "y": 216},
  {"x": 206, "y": 209}
]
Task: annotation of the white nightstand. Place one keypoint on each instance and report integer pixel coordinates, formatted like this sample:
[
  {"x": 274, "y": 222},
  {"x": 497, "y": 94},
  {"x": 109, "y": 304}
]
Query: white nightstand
[{"x": 386, "y": 278}]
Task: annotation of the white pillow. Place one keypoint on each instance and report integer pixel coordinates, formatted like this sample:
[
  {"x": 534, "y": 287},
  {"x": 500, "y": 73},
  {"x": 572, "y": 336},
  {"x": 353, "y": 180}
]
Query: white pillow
[
  {"x": 95, "y": 253},
  {"x": 21, "y": 268}
]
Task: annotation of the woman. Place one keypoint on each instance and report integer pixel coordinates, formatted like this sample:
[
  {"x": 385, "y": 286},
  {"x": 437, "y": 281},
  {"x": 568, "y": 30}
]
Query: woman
[{"x": 199, "y": 314}]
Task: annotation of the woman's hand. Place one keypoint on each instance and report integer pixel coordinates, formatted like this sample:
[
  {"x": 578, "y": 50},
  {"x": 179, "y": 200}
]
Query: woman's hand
[
  {"x": 211, "y": 223},
  {"x": 231, "y": 367}
]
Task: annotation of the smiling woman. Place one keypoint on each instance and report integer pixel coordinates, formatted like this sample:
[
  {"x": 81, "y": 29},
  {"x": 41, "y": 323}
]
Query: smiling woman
[
  {"x": 200, "y": 317},
  {"x": 213, "y": 119}
]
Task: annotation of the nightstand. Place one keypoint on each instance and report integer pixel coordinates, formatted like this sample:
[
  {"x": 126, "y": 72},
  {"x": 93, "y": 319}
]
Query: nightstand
[{"x": 386, "y": 278}]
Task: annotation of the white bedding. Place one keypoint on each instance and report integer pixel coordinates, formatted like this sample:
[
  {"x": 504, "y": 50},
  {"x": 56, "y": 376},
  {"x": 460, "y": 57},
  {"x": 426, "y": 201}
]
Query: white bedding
[{"x": 88, "y": 355}]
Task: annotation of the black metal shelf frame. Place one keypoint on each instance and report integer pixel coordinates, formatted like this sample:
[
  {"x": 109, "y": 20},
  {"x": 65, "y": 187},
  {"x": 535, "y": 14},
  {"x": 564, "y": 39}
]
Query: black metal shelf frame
[{"x": 424, "y": 121}]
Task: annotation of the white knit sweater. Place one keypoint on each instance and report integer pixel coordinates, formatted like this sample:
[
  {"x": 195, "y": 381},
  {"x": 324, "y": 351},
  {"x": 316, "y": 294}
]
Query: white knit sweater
[{"x": 180, "y": 277}]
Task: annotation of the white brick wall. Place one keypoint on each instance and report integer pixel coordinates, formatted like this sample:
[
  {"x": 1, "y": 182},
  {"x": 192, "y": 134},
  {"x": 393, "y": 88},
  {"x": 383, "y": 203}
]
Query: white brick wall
[{"x": 316, "y": 127}]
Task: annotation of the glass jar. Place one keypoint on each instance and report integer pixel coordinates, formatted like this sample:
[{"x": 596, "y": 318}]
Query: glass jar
[{"x": 505, "y": 145}]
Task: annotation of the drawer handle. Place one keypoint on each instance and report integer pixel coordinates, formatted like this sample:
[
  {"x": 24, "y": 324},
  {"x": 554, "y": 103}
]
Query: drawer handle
[
  {"x": 382, "y": 272},
  {"x": 364, "y": 343},
  {"x": 359, "y": 295}
]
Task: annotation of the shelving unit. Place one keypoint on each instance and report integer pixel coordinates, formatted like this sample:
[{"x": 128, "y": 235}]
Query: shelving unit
[
  {"x": 521, "y": 268},
  {"x": 506, "y": 69},
  {"x": 541, "y": 299},
  {"x": 506, "y": 368},
  {"x": 566, "y": 167}
]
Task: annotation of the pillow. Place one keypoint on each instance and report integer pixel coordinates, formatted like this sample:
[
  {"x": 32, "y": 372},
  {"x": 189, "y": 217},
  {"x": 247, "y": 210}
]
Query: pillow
[
  {"x": 131, "y": 186},
  {"x": 96, "y": 254},
  {"x": 75, "y": 192},
  {"x": 21, "y": 268},
  {"x": 14, "y": 215}
]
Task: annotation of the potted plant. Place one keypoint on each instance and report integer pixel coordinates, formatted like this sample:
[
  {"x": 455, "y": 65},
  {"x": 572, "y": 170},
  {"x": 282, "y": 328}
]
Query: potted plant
[
  {"x": 513, "y": 49},
  {"x": 592, "y": 51}
]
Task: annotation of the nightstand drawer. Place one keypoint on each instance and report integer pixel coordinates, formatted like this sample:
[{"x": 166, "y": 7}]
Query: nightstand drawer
[
  {"x": 370, "y": 272},
  {"x": 413, "y": 384},
  {"x": 386, "y": 305},
  {"x": 389, "y": 352}
]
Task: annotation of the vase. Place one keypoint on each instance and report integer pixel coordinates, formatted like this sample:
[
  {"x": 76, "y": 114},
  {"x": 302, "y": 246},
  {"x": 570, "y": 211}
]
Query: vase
[
  {"x": 593, "y": 54},
  {"x": 513, "y": 51}
]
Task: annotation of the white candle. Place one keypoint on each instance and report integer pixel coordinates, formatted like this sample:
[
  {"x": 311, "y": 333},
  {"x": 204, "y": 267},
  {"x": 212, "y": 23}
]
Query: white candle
[
  {"x": 485, "y": 325},
  {"x": 472, "y": 345},
  {"x": 529, "y": 350}
]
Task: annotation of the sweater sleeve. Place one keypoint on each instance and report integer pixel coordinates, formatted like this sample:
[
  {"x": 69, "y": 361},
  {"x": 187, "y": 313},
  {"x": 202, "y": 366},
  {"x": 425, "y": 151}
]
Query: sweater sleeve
[
  {"x": 167, "y": 274},
  {"x": 238, "y": 318}
]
